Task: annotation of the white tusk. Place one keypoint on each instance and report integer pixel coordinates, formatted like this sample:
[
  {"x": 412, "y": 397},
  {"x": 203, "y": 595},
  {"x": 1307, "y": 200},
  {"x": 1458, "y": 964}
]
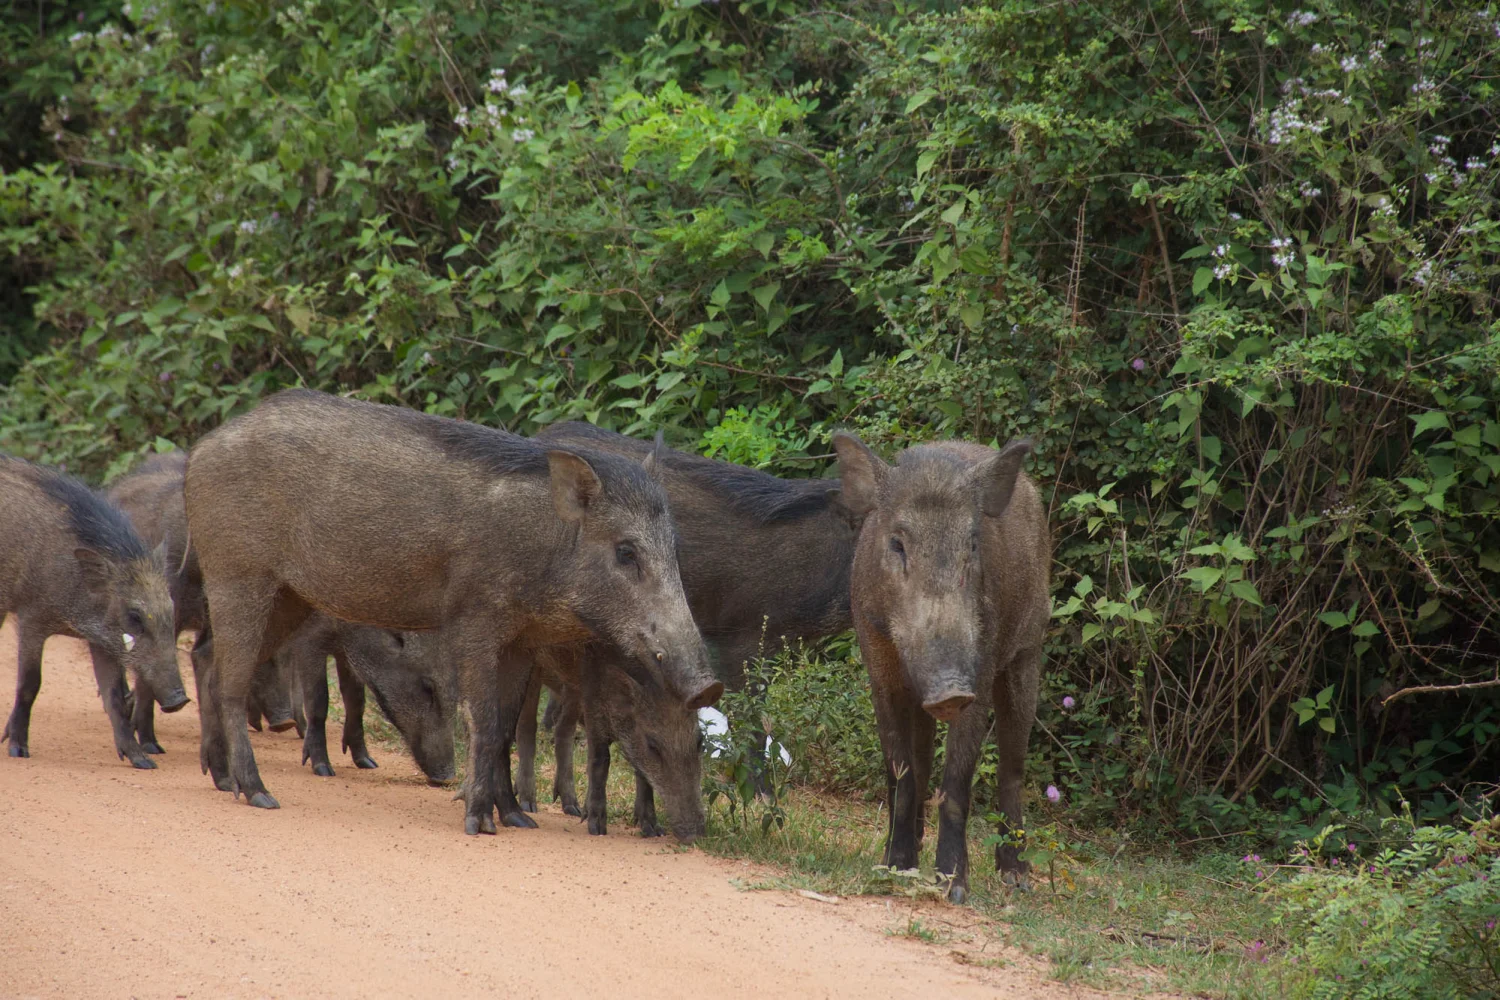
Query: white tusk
[{"x": 129, "y": 641}]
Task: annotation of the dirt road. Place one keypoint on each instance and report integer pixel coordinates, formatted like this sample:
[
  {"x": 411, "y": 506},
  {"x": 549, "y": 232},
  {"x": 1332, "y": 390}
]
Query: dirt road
[{"x": 123, "y": 883}]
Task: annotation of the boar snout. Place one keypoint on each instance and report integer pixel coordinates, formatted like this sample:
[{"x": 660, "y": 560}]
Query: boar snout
[
  {"x": 173, "y": 701},
  {"x": 946, "y": 706},
  {"x": 690, "y": 831}
]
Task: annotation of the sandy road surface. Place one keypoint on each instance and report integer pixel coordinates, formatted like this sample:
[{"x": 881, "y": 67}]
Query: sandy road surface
[{"x": 123, "y": 883}]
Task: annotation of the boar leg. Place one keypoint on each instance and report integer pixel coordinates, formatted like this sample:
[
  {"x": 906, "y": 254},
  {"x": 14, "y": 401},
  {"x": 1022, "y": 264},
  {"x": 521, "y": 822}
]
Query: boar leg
[
  {"x": 142, "y": 706},
  {"x": 352, "y": 691},
  {"x": 111, "y": 680},
  {"x": 526, "y": 744},
  {"x": 1015, "y": 712},
  {"x": 596, "y": 798},
  {"x": 251, "y": 620},
  {"x": 645, "y": 807},
  {"x": 312, "y": 672},
  {"x": 213, "y": 750},
  {"x": 493, "y": 683},
  {"x": 28, "y": 683},
  {"x": 570, "y": 707},
  {"x": 966, "y": 736},
  {"x": 894, "y": 716}
]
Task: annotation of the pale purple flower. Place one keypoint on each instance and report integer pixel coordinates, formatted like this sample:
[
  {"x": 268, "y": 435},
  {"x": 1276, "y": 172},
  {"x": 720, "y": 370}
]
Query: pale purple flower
[
  {"x": 1353, "y": 848},
  {"x": 1139, "y": 364},
  {"x": 1053, "y": 795},
  {"x": 1068, "y": 702},
  {"x": 164, "y": 377}
]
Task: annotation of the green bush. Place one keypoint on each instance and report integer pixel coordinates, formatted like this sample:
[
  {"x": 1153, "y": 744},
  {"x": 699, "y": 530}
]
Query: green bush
[{"x": 1417, "y": 917}]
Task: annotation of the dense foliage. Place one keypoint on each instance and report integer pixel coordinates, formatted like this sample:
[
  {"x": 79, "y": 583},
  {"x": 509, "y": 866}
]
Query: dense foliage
[
  {"x": 1232, "y": 266},
  {"x": 1419, "y": 917}
]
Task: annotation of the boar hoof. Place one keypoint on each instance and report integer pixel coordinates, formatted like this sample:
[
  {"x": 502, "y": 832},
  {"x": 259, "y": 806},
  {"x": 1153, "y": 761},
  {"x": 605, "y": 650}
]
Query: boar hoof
[
  {"x": 649, "y": 829},
  {"x": 596, "y": 826},
  {"x": 151, "y": 746},
  {"x": 958, "y": 895},
  {"x": 1016, "y": 880},
  {"x": 528, "y": 805},
  {"x": 283, "y": 725},
  {"x": 571, "y": 809},
  {"x": 263, "y": 800},
  {"x": 475, "y": 825},
  {"x": 17, "y": 750},
  {"x": 323, "y": 770},
  {"x": 224, "y": 784},
  {"x": 143, "y": 763},
  {"x": 365, "y": 762},
  {"x": 518, "y": 819}
]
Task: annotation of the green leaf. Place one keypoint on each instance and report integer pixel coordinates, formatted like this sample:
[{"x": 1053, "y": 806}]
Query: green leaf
[
  {"x": 1365, "y": 629},
  {"x": 1084, "y": 587},
  {"x": 720, "y": 295},
  {"x": 1325, "y": 723},
  {"x": 972, "y": 315},
  {"x": 1334, "y": 619},
  {"x": 1431, "y": 420},
  {"x": 918, "y": 99},
  {"x": 630, "y": 380},
  {"x": 1196, "y": 252},
  {"x": 1090, "y": 630},
  {"x": 954, "y": 212},
  {"x": 836, "y": 364},
  {"x": 1202, "y": 278},
  {"x": 1203, "y": 577},
  {"x": 1245, "y": 591},
  {"x": 764, "y": 294},
  {"x": 925, "y": 162},
  {"x": 1429, "y": 609},
  {"x": 301, "y": 318}
]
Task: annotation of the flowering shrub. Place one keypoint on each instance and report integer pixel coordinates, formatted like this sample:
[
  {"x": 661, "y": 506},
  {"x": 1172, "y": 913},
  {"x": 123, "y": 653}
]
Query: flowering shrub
[{"x": 1416, "y": 917}]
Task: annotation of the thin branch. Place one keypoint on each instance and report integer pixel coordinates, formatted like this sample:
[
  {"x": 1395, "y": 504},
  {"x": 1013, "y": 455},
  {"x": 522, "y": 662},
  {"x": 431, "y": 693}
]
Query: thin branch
[{"x": 1431, "y": 688}]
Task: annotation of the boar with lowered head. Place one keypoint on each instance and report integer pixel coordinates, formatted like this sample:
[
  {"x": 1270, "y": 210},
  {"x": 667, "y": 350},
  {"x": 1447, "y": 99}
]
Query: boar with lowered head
[{"x": 384, "y": 516}]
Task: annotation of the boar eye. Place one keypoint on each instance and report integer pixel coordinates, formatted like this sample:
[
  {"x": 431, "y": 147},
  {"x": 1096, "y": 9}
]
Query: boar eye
[
  {"x": 625, "y": 554},
  {"x": 651, "y": 745},
  {"x": 428, "y": 687},
  {"x": 400, "y": 642},
  {"x": 897, "y": 547},
  {"x": 134, "y": 622}
]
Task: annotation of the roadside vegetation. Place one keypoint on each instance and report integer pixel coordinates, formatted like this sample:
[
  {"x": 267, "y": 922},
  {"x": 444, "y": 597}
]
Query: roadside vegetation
[{"x": 1231, "y": 265}]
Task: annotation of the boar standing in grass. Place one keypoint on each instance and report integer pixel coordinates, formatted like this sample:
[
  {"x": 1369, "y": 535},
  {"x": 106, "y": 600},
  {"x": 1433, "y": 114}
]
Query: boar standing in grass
[
  {"x": 658, "y": 734},
  {"x": 71, "y": 564},
  {"x": 151, "y": 495},
  {"x": 950, "y": 601},
  {"x": 765, "y": 561},
  {"x": 385, "y": 516}
]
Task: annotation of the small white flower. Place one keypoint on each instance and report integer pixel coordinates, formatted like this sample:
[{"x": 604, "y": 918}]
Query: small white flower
[
  {"x": 519, "y": 90},
  {"x": 249, "y": 226},
  {"x": 426, "y": 357},
  {"x": 462, "y": 118},
  {"x": 1301, "y": 19},
  {"x": 1223, "y": 270},
  {"x": 522, "y": 135},
  {"x": 1474, "y": 163},
  {"x": 1222, "y": 250},
  {"x": 112, "y": 132},
  {"x": 497, "y": 85},
  {"x": 1422, "y": 86},
  {"x": 1281, "y": 243},
  {"x": 77, "y": 37},
  {"x": 1309, "y": 191},
  {"x": 236, "y": 271},
  {"x": 493, "y": 110},
  {"x": 1349, "y": 64},
  {"x": 1235, "y": 216},
  {"x": 1283, "y": 259},
  {"x": 1423, "y": 274}
]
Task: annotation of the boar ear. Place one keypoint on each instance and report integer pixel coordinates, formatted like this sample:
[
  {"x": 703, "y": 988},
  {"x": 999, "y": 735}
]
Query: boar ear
[
  {"x": 653, "y": 458},
  {"x": 836, "y": 501},
  {"x": 575, "y": 485},
  {"x": 861, "y": 473},
  {"x": 159, "y": 554},
  {"x": 995, "y": 480},
  {"x": 97, "y": 573}
]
